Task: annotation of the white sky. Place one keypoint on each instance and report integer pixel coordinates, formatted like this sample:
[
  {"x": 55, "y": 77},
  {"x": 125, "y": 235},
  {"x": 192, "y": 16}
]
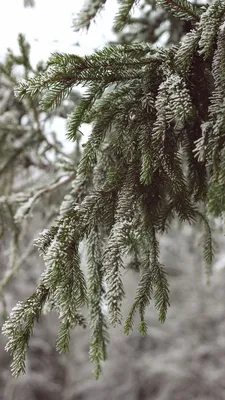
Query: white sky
[{"x": 48, "y": 28}]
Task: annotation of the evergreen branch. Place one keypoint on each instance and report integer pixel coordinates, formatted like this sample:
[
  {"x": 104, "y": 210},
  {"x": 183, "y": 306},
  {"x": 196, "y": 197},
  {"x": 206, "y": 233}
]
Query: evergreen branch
[
  {"x": 63, "y": 340},
  {"x": 105, "y": 115},
  {"x": 156, "y": 151},
  {"x": 187, "y": 50},
  {"x": 217, "y": 104},
  {"x": 208, "y": 245},
  {"x": 216, "y": 194},
  {"x": 88, "y": 14},
  {"x": 143, "y": 295},
  {"x": 78, "y": 116},
  {"x": 161, "y": 293},
  {"x": 208, "y": 25},
  {"x": 181, "y": 9},
  {"x": 63, "y": 275},
  {"x": 117, "y": 245},
  {"x": 93, "y": 208},
  {"x": 122, "y": 17},
  {"x": 19, "y": 327},
  {"x": 45, "y": 239},
  {"x": 113, "y": 264},
  {"x": 99, "y": 334},
  {"x": 146, "y": 158},
  {"x": 53, "y": 98}
]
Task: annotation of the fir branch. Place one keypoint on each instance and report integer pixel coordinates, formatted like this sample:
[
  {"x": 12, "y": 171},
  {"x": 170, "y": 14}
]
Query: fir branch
[
  {"x": 113, "y": 265},
  {"x": 208, "y": 244},
  {"x": 143, "y": 295},
  {"x": 118, "y": 244},
  {"x": 53, "y": 98},
  {"x": 187, "y": 50},
  {"x": 217, "y": 104},
  {"x": 123, "y": 15},
  {"x": 216, "y": 194},
  {"x": 160, "y": 282},
  {"x": 102, "y": 68},
  {"x": 156, "y": 151},
  {"x": 99, "y": 334},
  {"x": 64, "y": 278},
  {"x": 93, "y": 208},
  {"x": 181, "y": 9},
  {"x": 146, "y": 158},
  {"x": 19, "y": 327},
  {"x": 45, "y": 239},
  {"x": 25, "y": 53},
  {"x": 63, "y": 340},
  {"x": 80, "y": 112},
  {"x": 208, "y": 25},
  {"x": 88, "y": 14},
  {"x": 153, "y": 282}
]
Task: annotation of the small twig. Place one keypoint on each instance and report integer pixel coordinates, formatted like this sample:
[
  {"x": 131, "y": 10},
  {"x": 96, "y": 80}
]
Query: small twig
[
  {"x": 12, "y": 158},
  {"x": 16, "y": 267},
  {"x": 26, "y": 207},
  {"x": 54, "y": 146},
  {"x": 4, "y": 307},
  {"x": 60, "y": 182}
]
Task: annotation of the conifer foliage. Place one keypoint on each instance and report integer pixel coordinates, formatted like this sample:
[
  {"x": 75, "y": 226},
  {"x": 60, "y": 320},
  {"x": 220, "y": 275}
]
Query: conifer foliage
[{"x": 156, "y": 152}]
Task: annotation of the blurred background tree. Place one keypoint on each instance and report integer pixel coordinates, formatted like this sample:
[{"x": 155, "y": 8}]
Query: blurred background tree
[
  {"x": 154, "y": 25},
  {"x": 35, "y": 171},
  {"x": 181, "y": 360},
  {"x": 34, "y": 168}
]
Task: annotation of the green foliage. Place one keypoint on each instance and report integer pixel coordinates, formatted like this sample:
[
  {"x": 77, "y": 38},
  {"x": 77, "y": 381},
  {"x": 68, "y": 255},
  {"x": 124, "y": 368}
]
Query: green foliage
[
  {"x": 209, "y": 24},
  {"x": 153, "y": 282},
  {"x": 181, "y": 9},
  {"x": 99, "y": 334},
  {"x": 20, "y": 327},
  {"x": 155, "y": 153},
  {"x": 122, "y": 18}
]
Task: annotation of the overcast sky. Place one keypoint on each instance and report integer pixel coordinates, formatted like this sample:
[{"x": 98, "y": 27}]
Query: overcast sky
[{"x": 48, "y": 28}]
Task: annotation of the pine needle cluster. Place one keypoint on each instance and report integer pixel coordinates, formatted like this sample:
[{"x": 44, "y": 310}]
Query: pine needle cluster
[{"x": 155, "y": 153}]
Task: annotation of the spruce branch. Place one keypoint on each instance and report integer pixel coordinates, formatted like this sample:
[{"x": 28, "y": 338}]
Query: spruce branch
[
  {"x": 187, "y": 50},
  {"x": 159, "y": 278},
  {"x": 19, "y": 327},
  {"x": 210, "y": 21},
  {"x": 88, "y": 14},
  {"x": 155, "y": 153},
  {"x": 181, "y": 9},
  {"x": 123, "y": 15},
  {"x": 208, "y": 245},
  {"x": 99, "y": 331}
]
